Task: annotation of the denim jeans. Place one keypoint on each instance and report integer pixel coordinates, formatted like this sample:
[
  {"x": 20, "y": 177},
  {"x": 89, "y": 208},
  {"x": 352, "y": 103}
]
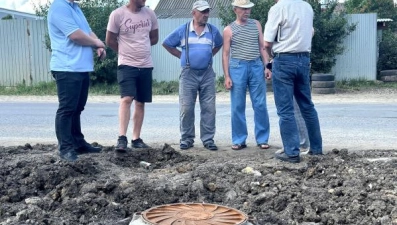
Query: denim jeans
[
  {"x": 291, "y": 78},
  {"x": 303, "y": 136},
  {"x": 248, "y": 73},
  {"x": 191, "y": 82},
  {"x": 72, "y": 89}
]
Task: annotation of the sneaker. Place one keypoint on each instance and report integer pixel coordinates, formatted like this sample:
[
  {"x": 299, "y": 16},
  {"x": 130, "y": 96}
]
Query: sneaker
[
  {"x": 286, "y": 158},
  {"x": 122, "y": 144},
  {"x": 69, "y": 155},
  {"x": 303, "y": 151},
  {"x": 87, "y": 149},
  {"x": 138, "y": 143}
]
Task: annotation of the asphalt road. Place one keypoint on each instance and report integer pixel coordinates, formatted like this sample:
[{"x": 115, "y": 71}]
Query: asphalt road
[{"x": 355, "y": 126}]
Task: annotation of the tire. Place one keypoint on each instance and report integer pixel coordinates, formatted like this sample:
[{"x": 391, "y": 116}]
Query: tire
[
  {"x": 322, "y": 77},
  {"x": 388, "y": 73},
  {"x": 389, "y": 78},
  {"x": 323, "y": 84},
  {"x": 323, "y": 90}
]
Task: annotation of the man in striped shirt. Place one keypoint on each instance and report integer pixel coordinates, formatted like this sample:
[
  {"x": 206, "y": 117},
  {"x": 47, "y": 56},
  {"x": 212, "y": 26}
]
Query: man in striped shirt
[
  {"x": 243, "y": 62},
  {"x": 199, "y": 42},
  {"x": 288, "y": 34}
]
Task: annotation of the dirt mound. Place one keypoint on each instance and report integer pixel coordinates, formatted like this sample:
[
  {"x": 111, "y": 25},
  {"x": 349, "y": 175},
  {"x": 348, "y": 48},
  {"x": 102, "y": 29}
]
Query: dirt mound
[{"x": 106, "y": 188}]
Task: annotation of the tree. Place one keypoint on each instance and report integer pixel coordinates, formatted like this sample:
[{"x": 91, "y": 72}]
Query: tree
[
  {"x": 330, "y": 26},
  {"x": 8, "y": 17},
  {"x": 384, "y": 9},
  {"x": 97, "y": 13}
]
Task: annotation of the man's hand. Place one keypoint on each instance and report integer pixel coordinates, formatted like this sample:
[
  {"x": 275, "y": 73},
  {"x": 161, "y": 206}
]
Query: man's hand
[
  {"x": 268, "y": 74},
  {"x": 101, "y": 52},
  {"x": 228, "y": 83}
]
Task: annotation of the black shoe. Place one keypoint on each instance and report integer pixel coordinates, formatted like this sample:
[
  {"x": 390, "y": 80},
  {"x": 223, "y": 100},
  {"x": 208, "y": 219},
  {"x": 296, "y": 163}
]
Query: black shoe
[
  {"x": 122, "y": 144},
  {"x": 210, "y": 146},
  {"x": 69, "y": 156},
  {"x": 138, "y": 143},
  {"x": 87, "y": 148},
  {"x": 283, "y": 157},
  {"x": 312, "y": 153}
]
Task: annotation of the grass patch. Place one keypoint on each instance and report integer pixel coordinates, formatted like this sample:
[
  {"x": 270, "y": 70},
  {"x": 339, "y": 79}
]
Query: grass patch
[
  {"x": 361, "y": 85},
  {"x": 42, "y": 88}
]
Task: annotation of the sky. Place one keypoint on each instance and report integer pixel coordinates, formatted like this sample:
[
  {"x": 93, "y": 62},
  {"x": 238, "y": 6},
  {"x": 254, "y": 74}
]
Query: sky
[{"x": 27, "y": 5}]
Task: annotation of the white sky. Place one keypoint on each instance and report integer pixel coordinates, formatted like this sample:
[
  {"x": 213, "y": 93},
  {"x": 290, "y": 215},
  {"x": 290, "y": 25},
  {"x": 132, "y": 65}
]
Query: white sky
[{"x": 27, "y": 5}]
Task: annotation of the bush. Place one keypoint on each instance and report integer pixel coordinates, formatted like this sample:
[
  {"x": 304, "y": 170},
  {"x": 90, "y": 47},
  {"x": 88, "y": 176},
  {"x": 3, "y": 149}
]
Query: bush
[{"x": 388, "y": 51}]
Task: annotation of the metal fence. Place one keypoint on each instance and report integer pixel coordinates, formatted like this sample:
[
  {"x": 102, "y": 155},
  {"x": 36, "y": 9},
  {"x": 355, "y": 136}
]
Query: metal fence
[{"x": 25, "y": 59}]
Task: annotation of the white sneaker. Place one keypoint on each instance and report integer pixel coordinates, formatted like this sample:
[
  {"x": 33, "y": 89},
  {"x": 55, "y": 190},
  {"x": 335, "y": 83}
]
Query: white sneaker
[{"x": 303, "y": 151}]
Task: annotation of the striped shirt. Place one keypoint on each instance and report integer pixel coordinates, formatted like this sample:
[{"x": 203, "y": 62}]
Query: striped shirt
[
  {"x": 243, "y": 40},
  {"x": 294, "y": 20}
]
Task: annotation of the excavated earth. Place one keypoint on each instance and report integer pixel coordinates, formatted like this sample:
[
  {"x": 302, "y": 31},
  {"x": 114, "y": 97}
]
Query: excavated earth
[{"x": 340, "y": 187}]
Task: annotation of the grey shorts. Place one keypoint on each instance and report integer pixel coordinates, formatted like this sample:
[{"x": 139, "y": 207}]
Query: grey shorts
[{"x": 135, "y": 82}]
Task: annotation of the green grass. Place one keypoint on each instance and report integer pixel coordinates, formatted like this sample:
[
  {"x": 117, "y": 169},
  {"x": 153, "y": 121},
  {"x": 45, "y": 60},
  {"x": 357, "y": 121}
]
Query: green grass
[
  {"x": 362, "y": 85},
  {"x": 171, "y": 87}
]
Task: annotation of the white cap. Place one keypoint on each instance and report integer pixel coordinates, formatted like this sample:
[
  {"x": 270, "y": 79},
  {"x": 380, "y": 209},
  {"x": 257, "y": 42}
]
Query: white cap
[{"x": 201, "y": 5}]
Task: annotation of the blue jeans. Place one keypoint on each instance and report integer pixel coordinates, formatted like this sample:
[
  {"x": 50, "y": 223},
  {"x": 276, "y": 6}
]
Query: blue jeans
[
  {"x": 72, "y": 89},
  {"x": 191, "y": 82},
  {"x": 291, "y": 78},
  {"x": 243, "y": 74}
]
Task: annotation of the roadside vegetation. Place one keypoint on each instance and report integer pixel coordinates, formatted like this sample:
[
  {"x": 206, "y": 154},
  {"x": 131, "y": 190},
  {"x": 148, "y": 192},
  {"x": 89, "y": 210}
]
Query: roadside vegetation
[{"x": 171, "y": 87}]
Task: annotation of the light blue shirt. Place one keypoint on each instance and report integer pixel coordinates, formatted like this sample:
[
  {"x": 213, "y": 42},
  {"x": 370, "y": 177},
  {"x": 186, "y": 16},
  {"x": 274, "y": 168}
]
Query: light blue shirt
[
  {"x": 63, "y": 19},
  {"x": 200, "y": 46}
]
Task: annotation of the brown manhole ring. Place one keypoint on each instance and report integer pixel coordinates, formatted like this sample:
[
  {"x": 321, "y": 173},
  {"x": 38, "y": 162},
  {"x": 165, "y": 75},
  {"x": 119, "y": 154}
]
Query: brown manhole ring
[{"x": 194, "y": 213}]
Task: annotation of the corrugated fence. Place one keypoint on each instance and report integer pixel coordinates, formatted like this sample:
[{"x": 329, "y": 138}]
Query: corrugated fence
[
  {"x": 23, "y": 55},
  {"x": 25, "y": 59}
]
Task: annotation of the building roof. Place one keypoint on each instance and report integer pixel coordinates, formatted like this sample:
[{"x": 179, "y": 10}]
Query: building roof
[
  {"x": 384, "y": 20},
  {"x": 18, "y": 15},
  {"x": 182, "y": 9}
]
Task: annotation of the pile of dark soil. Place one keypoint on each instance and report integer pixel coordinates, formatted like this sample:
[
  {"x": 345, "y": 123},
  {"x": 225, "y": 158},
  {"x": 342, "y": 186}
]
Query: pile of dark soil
[{"x": 337, "y": 188}]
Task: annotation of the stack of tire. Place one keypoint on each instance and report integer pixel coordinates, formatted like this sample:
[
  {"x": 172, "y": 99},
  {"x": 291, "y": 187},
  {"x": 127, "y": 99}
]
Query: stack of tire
[
  {"x": 323, "y": 83},
  {"x": 388, "y": 75}
]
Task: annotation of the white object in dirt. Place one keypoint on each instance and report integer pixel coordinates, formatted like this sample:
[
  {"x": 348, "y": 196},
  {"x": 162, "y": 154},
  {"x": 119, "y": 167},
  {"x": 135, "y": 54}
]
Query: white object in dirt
[{"x": 250, "y": 170}]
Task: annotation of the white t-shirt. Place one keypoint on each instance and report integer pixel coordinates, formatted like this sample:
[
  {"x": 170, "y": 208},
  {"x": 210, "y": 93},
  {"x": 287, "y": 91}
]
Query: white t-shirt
[
  {"x": 133, "y": 35},
  {"x": 295, "y": 18}
]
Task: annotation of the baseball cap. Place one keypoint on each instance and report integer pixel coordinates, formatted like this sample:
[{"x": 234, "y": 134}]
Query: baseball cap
[{"x": 201, "y": 5}]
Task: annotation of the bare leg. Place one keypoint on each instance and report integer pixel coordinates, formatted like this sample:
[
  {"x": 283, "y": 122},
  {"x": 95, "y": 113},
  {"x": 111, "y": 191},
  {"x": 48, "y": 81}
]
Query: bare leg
[
  {"x": 137, "y": 119},
  {"x": 124, "y": 114}
]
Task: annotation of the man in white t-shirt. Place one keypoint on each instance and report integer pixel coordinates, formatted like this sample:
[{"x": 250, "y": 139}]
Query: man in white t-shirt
[{"x": 132, "y": 30}]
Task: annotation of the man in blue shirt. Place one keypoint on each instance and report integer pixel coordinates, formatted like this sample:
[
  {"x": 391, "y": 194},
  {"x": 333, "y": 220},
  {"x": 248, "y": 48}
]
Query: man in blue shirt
[
  {"x": 72, "y": 43},
  {"x": 199, "y": 42}
]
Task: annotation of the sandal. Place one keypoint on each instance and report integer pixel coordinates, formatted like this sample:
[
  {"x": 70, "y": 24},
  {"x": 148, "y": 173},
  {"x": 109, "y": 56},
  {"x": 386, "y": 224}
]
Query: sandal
[
  {"x": 211, "y": 146},
  {"x": 185, "y": 145},
  {"x": 264, "y": 146},
  {"x": 238, "y": 146}
]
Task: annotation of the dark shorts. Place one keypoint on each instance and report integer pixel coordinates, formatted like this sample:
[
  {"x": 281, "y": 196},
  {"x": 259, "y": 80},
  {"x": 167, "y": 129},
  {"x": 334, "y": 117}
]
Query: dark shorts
[{"x": 135, "y": 82}]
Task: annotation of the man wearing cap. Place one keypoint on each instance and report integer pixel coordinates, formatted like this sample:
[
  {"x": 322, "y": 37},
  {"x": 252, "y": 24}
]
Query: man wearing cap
[
  {"x": 288, "y": 34},
  {"x": 199, "y": 42},
  {"x": 243, "y": 62}
]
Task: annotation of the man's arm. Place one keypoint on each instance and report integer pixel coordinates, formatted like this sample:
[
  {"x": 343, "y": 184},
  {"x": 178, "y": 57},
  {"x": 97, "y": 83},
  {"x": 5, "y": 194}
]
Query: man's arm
[
  {"x": 215, "y": 50},
  {"x": 227, "y": 36},
  {"x": 265, "y": 55},
  {"x": 174, "y": 51},
  {"x": 111, "y": 41},
  {"x": 81, "y": 38},
  {"x": 154, "y": 36}
]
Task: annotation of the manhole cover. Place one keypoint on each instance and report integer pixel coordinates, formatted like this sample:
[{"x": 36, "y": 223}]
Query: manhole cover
[{"x": 194, "y": 214}]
